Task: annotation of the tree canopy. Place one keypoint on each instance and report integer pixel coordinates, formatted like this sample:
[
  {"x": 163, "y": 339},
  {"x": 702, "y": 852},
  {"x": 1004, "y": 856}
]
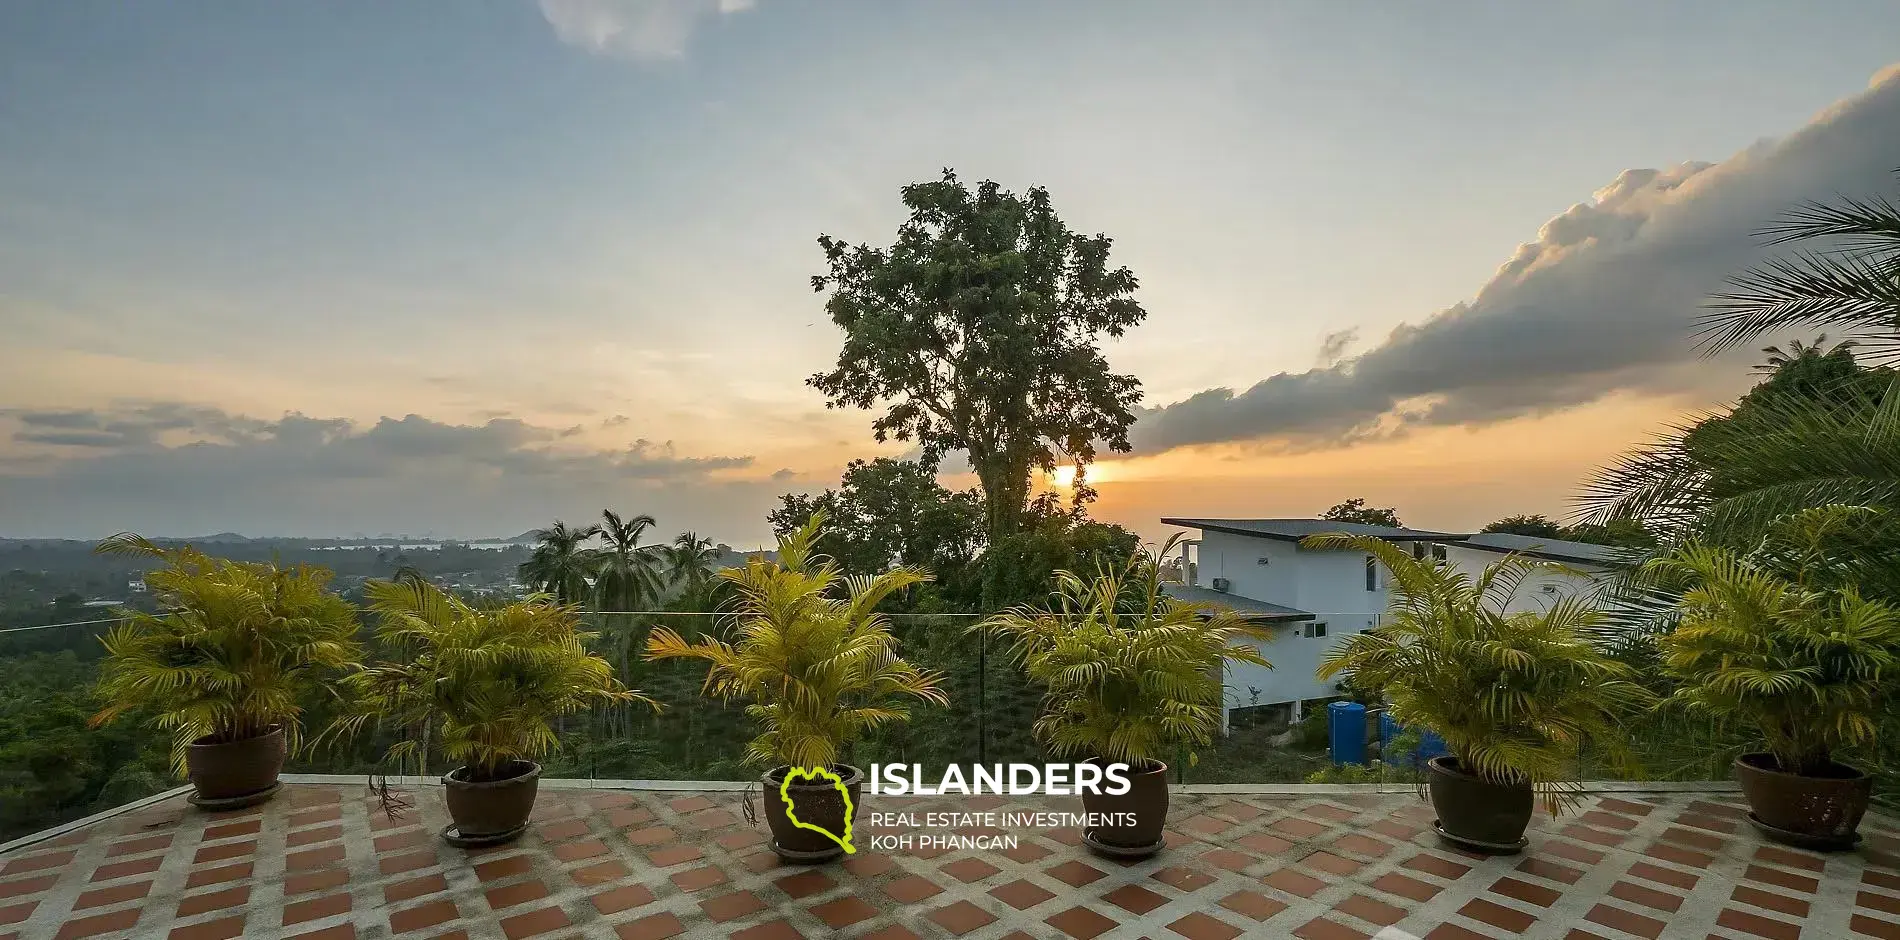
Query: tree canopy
[
  {"x": 978, "y": 330},
  {"x": 888, "y": 513},
  {"x": 1537, "y": 526},
  {"x": 1355, "y": 510},
  {"x": 1624, "y": 532}
]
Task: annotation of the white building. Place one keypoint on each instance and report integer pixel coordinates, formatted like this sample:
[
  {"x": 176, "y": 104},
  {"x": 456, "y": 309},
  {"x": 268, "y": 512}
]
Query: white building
[
  {"x": 1590, "y": 567},
  {"x": 1313, "y": 597}
]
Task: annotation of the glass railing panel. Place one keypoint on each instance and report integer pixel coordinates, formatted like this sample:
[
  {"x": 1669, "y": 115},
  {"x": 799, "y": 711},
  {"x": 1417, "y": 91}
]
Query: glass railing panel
[
  {"x": 1664, "y": 745},
  {"x": 936, "y": 735},
  {"x": 54, "y": 767},
  {"x": 692, "y": 737}
]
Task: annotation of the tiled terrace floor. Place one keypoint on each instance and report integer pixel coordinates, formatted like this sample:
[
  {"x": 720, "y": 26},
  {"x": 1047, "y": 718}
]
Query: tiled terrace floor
[{"x": 322, "y": 863}]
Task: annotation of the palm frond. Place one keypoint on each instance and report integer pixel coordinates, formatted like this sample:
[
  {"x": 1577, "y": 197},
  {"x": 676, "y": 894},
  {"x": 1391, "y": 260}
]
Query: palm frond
[
  {"x": 1511, "y": 693},
  {"x": 818, "y": 668},
  {"x": 1129, "y": 673},
  {"x": 237, "y": 648}
]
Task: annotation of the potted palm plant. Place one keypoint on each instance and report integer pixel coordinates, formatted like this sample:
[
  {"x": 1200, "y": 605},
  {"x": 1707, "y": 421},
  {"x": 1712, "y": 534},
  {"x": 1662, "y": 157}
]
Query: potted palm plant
[
  {"x": 1781, "y": 639},
  {"x": 226, "y": 665},
  {"x": 818, "y": 666},
  {"x": 485, "y": 685},
  {"x": 1130, "y": 675},
  {"x": 1513, "y": 695}
]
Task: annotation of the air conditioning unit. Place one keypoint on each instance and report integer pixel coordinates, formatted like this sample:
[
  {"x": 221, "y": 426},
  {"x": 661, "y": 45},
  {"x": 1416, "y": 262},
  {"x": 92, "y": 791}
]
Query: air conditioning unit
[{"x": 1222, "y": 584}]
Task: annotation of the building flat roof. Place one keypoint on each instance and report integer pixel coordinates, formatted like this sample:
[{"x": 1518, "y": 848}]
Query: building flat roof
[
  {"x": 1292, "y": 530},
  {"x": 1249, "y": 608},
  {"x": 1552, "y": 549}
]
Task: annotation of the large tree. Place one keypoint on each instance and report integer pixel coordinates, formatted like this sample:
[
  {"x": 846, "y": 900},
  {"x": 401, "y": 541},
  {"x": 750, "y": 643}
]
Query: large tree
[{"x": 978, "y": 330}]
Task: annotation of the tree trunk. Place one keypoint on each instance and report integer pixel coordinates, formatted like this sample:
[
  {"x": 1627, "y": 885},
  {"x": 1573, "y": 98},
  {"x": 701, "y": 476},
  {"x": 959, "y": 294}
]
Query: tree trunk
[{"x": 1005, "y": 492}]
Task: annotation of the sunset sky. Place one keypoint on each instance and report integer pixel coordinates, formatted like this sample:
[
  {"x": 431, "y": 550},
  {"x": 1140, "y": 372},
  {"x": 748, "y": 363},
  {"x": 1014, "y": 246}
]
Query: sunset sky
[{"x": 458, "y": 269}]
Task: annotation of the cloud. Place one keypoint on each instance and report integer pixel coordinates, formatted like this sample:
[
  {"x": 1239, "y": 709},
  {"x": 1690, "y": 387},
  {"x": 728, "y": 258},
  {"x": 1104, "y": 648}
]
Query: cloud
[
  {"x": 646, "y": 30},
  {"x": 169, "y": 468},
  {"x": 131, "y": 426},
  {"x": 1333, "y": 346},
  {"x": 1604, "y": 301}
]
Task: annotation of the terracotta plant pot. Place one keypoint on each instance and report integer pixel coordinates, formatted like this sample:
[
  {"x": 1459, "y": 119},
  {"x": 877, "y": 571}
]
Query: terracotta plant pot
[
  {"x": 818, "y": 803},
  {"x": 1476, "y": 813},
  {"x": 235, "y": 774},
  {"x": 1146, "y": 800},
  {"x": 490, "y": 812},
  {"x": 1820, "y": 811}
]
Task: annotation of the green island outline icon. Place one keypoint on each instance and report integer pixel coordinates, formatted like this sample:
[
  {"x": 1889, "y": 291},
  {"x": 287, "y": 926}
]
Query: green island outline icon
[{"x": 791, "y": 808}]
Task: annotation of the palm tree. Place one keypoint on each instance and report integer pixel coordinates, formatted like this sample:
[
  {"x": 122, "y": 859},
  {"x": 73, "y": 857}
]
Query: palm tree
[
  {"x": 810, "y": 653},
  {"x": 1781, "y": 639},
  {"x": 1796, "y": 351},
  {"x": 1514, "y": 694},
  {"x": 626, "y": 576},
  {"x": 691, "y": 563},
  {"x": 560, "y": 562},
  {"x": 1850, "y": 283},
  {"x": 626, "y": 573},
  {"x": 1726, "y": 481}
]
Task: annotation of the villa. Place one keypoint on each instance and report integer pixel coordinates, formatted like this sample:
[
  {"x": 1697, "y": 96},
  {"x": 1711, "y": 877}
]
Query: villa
[{"x": 1258, "y": 568}]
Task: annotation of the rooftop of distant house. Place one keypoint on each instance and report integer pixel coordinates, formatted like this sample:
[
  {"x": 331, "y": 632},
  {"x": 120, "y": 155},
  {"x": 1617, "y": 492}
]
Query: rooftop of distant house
[
  {"x": 1249, "y": 609},
  {"x": 1550, "y": 549},
  {"x": 1293, "y": 530}
]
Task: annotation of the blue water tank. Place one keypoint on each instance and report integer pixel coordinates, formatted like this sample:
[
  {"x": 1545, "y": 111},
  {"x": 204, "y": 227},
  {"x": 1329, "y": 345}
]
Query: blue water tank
[
  {"x": 1430, "y": 745},
  {"x": 1346, "y": 732}
]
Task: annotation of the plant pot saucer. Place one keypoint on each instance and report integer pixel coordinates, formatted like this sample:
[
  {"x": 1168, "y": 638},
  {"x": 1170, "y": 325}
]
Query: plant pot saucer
[
  {"x": 1488, "y": 848},
  {"x": 454, "y": 837},
  {"x": 1120, "y": 851},
  {"x": 807, "y": 856},
  {"x": 1803, "y": 840},
  {"x": 228, "y": 803}
]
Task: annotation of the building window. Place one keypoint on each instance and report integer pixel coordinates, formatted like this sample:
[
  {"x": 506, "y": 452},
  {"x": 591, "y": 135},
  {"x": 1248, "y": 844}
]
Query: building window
[
  {"x": 1372, "y": 573},
  {"x": 1313, "y": 630},
  {"x": 1438, "y": 553}
]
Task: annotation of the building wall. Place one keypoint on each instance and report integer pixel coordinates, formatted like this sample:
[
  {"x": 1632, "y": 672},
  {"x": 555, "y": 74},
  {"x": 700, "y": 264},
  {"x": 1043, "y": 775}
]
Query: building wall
[
  {"x": 1237, "y": 558},
  {"x": 1330, "y": 584},
  {"x": 1531, "y": 595}
]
